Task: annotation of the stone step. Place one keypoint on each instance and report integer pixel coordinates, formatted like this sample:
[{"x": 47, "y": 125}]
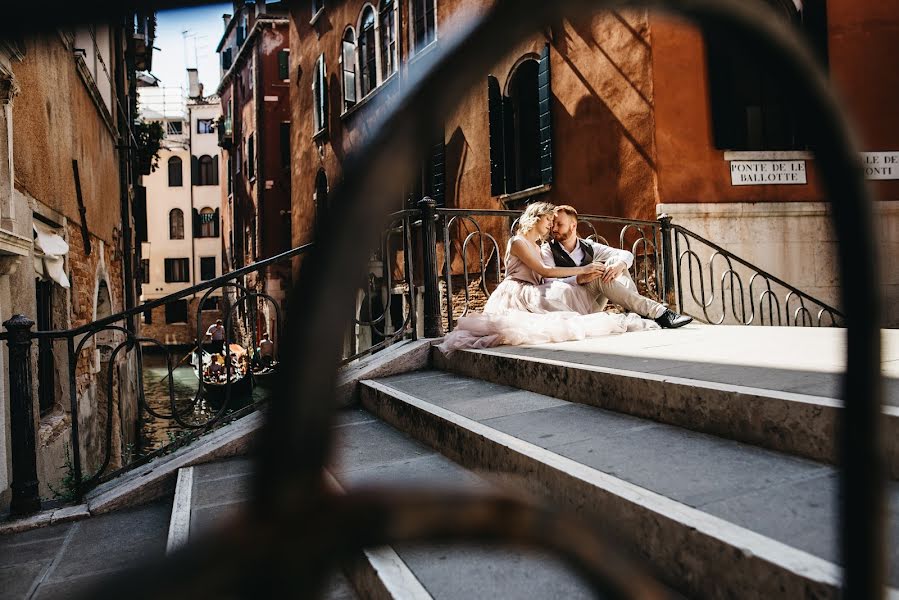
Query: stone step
[
  {"x": 716, "y": 517},
  {"x": 370, "y": 451},
  {"x": 790, "y": 411}
]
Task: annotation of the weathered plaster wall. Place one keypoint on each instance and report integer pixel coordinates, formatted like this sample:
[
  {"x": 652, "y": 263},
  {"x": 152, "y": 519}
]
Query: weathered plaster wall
[{"x": 56, "y": 121}]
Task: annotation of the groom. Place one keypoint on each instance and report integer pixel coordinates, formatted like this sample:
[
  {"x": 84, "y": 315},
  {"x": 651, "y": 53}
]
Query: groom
[{"x": 566, "y": 249}]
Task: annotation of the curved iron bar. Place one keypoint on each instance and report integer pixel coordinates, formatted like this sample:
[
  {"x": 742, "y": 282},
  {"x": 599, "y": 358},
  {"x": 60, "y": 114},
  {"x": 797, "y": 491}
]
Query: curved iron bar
[
  {"x": 168, "y": 363},
  {"x": 801, "y": 309},
  {"x": 691, "y": 255},
  {"x": 107, "y": 442},
  {"x": 458, "y": 219},
  {"x": 769, "y": 293},
  {"x": 733, "y": 302},
  {"x": 655, "y": 254},
  {"x": 690, "y": 234},
  {"x": 833, "y": 321},
  {"x": 297, "y": 433}
]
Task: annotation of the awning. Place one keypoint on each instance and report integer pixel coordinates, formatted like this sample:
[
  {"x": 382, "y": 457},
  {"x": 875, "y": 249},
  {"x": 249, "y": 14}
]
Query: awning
[{"x": 49, "y": 254}]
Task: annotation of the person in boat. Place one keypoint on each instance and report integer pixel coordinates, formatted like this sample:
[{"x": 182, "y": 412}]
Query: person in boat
[
  {"x": 526, "y": 308},
  {"x": 216, "y": 336},
  {"x": 266, "y": 351}
]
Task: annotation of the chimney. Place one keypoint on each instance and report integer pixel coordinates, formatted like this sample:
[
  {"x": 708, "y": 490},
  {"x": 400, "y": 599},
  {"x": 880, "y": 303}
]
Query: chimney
[
  {"x": 227, "y": 19},
  {"x": 195, "y": 89}
]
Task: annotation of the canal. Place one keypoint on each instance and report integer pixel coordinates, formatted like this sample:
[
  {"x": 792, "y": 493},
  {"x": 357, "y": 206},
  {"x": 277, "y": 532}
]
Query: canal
[{"x": 157, "y": 432}]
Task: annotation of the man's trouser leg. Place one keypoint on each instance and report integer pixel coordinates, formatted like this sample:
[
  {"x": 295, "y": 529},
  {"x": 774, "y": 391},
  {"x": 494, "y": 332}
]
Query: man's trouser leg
[{"x": 623, "y": 291}]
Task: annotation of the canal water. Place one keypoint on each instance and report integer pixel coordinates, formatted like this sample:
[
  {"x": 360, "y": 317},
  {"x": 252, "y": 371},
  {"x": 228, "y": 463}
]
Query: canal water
[{"x": 157, "y": 432}]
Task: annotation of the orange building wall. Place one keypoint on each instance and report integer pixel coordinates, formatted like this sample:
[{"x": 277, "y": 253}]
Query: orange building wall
[{"x": 862, "y": 46}]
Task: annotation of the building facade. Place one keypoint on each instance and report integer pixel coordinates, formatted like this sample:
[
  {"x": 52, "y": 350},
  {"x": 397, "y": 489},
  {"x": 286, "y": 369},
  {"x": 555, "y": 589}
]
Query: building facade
[
  {"x": 67, "y": 221},
  {"x": 254, "y": 135},
  {"x": 627, "y": 114},
  {"x": 183, "y": 246}
]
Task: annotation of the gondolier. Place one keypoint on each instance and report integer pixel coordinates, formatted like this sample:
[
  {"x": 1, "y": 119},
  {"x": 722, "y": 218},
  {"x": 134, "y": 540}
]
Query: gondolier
[{"x": 216, "y": 335}]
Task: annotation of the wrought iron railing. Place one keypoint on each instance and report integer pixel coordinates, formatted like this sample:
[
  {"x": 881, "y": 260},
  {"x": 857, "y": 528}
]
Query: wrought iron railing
[
  {"x": 720, "y": 287},
  {"x": 272, "y": 548}
]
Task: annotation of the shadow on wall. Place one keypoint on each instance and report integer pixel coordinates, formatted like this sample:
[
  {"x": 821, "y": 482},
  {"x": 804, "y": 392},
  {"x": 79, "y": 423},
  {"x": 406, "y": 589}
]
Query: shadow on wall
[{"x": 607, "y": 165}]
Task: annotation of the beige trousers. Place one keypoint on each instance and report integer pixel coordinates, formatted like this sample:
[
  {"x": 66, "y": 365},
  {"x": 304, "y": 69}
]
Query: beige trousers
[{"x": 623, "y": 291}]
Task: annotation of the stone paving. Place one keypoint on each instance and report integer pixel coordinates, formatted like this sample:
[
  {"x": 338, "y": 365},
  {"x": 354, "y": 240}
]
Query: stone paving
[
  {"x": 804, "y": 360},
  {"x": 66, "y": 560}
]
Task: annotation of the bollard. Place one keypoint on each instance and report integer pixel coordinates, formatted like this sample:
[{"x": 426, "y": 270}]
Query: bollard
[{"x": 25, "y": 498}]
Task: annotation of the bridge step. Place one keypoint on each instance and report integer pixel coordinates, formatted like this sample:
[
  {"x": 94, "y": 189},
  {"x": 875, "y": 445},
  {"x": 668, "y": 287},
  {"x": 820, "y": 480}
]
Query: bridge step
[
  {"x": 790, "y": 410},
  {"x": 370, "y": 451},
  {"x": 716, "y": 517}
]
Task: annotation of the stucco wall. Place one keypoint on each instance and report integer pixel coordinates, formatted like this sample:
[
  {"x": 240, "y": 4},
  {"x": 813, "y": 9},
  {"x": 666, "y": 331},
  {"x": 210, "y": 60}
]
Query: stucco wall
[{"x": 56, "y": 121}]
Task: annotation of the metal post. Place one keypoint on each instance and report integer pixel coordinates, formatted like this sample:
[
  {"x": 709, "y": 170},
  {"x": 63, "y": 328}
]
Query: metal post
[
  {"x": 432, "y": 326},
  {"x": 667, "y": 261},
  {"x": 25, "y": 497}
]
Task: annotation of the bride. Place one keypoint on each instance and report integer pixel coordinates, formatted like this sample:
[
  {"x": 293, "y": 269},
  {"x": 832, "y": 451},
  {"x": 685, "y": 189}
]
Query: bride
[{"x": 525, "y": 309}]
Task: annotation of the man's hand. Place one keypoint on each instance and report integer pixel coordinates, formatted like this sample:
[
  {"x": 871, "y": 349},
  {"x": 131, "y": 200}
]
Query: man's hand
[
  {"x": 614, "y": 270},
  {"x": 588, "y": 277}
]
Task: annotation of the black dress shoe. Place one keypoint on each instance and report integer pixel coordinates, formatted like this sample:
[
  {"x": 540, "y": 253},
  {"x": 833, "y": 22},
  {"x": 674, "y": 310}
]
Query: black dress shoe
[{"x": 672, "y": 320}]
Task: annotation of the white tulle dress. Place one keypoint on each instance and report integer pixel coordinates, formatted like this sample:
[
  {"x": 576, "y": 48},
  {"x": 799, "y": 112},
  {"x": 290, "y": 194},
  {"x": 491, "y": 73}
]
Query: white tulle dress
[{"x": 526, "y": 310}]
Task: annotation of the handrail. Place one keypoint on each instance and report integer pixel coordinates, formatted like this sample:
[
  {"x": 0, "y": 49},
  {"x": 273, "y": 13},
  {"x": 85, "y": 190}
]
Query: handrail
[{"x": 749, "y": 265}]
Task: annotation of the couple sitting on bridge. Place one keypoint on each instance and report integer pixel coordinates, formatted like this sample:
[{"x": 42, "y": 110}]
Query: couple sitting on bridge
[{"x": 557, "y": 292}]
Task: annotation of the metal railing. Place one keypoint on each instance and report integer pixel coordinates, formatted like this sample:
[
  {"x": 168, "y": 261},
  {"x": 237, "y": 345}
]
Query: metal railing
[{"x": 272, "y": 548}]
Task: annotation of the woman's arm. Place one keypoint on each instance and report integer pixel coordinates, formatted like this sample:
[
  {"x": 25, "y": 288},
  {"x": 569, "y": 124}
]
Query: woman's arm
[{"x": 526, "y": 254}]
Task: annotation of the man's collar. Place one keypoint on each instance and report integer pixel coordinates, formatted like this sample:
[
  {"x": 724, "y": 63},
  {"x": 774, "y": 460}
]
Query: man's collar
[{"x": 573, "y": 248}]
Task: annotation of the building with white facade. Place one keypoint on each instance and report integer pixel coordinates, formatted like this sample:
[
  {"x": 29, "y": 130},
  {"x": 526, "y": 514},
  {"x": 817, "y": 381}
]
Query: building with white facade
[{"x": 183, "y": 246}]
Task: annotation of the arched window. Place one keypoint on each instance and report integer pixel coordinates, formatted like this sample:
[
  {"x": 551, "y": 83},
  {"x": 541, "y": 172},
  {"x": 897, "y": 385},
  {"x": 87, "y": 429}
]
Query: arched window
[
  {"x": 387, "y": 32},
  {"x": 176, "y": 224},
  {"x": 321, "y": 199},
  {"x": 368, "y": 72},
  {"x": 521, "y": 128},
  {"x": 424, "y": 23},
  {"x": 208, "y": 174},
  {"x": 348, "y": 65},
  {"x": 208, "y": 226},
  {"x": 176, "y": 172}
]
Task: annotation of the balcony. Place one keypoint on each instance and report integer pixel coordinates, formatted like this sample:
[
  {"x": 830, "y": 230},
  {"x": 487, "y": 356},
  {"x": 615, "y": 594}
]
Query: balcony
[{"x": 225, "y": 131}]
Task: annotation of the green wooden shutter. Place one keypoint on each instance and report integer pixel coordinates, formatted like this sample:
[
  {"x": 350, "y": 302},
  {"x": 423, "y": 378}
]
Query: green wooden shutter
[
  {"x": 283, "y": 64},
  {"x": 545, "y": 137},
  {"x": 497, "y": 150}
]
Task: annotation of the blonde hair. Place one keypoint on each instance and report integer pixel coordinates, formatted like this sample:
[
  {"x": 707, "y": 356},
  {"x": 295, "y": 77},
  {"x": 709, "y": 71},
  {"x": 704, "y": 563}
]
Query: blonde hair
[
  {"x": 568, "y": 210},
  {"x": 532, "y": 214}
]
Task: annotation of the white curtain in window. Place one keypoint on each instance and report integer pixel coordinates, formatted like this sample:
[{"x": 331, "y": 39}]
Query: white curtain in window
[
  {"x": 49, "y": 254},
  {"x": 348, "y": 64}
]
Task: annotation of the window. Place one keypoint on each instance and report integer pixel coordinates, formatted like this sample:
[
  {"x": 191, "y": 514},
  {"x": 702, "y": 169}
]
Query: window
[
  {"x": 226, "y": 58},
  {"x": 424, "y": 30},
  {"x": 320, "y": 96},
  {"x": 45, "y": 367},
  {"x": 368, "y": 75},
  {"x": 207, "y": 268},
  {"x": 208, "y": 223},
  {"x": 176, "y": 224},
  {"x": 348, "y": 66},
  {"x": 284, "y": 134},
  {"x": 148, "y": 316},
  {"x": 284, "y": 65},
  {"x": 521, "y": 128},
  {"x": 229, "y": 176},
  {"x": 176, "y": 172},
  {"x": 211, "y": 303},
  {"x": 251, "y": 156},
  {"x": 387, "y": 32},
  {"x": 430, "y": 178},
  {"x": 145, "y": 270},
  {"x": 177, "y": 270},
  {"x": 208, "y": 172},
  {"x": 242, "y": 30},
  {"x": 752, "y": 108},
  {"x": 204, "y": 126},
  {"x": 174, "y": 127},
  {"x": 176, "y": 312},
  {"x": 321, "y": 198}
]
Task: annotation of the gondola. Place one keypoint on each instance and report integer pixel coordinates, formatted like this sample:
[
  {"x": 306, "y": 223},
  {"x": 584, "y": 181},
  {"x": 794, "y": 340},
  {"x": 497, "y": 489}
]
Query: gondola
[
  {"x": 264, "y": 377},
  {"x": 215, "y": 386}
]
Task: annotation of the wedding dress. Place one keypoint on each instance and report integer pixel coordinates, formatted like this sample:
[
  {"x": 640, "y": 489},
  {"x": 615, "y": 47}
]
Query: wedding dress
[{"x": 526, "y": 310}]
